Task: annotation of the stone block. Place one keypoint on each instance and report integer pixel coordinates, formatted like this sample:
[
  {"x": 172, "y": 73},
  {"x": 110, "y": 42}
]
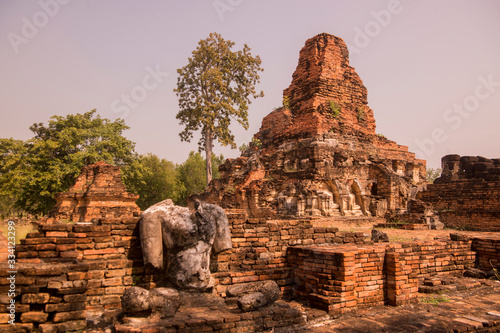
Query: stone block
[{"x": 34, "y": 317}]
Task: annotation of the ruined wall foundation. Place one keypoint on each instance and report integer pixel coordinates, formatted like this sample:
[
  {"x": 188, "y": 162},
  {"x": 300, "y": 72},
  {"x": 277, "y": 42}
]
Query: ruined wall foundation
[
  {"x": 339, "y": 279},
  {"x": 467, "y": 195}
]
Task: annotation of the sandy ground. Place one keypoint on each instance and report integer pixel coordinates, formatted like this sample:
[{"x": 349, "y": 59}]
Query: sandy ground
[{"x": 400, "y": 235}]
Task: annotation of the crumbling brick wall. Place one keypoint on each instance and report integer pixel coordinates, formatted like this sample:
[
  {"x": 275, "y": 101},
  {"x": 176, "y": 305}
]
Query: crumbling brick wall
[
  {"x": 488, "y": 252},
  {"x": 467, "y": 195},
  {"x": 342, "y": 278},
  {"x": 260, "y": 245},
  {"x": 69, "y": 272}
]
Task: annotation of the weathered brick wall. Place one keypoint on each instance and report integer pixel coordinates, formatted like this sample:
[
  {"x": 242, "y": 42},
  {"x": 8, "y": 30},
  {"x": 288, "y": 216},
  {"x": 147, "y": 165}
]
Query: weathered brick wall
[
  {"x": 48, "y": 296},
  {"x": 98, "y": 192},
  {"x": 488, "y": 252},
  {"x": 83, "y": 269},
  {"x": 259, "y": 249},
  {"x": 342, "y": 278},
  {"x": 467, "y": 195},
  {"x": 67, "y": 271},
  {"x": 472, "y": 204}
]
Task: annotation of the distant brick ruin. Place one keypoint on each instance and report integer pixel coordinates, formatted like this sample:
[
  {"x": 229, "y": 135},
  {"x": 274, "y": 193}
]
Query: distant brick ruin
[
  {"x": 467, "y": 195},
  {"x": 98, "y": 192},
  {"x": 319, "y": 154}
]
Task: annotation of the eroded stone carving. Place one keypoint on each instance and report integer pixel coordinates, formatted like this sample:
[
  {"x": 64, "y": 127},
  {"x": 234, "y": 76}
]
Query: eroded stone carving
[{"x": 188, "y": 237}]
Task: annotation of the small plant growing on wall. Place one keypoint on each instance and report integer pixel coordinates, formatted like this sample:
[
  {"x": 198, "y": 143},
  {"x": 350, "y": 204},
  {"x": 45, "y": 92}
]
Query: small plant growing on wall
[
  {"x": 230, "y": 189},
  {"x": 286, "y": 102},
  {"x": 243, "y": 147},
  {"x": 256, "y": 143},
  {"x": 361, "y": 115},
  {"x": 334, "y": 108}
]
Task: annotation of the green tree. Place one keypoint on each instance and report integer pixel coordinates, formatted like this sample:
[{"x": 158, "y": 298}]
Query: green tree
[
  {"x": 215, "y": 87},
  {"x": 54, "y": 157},
  {"x": 12, "y": 154},
  {"x": 432, "y": 174},
  {"x": 154, "y": 179},
  {"x": 192, "y": 174}
]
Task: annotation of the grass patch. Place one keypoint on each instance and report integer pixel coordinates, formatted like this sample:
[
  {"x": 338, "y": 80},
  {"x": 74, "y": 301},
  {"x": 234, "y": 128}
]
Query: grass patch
[
  {"x": 21, "y": 231},
  {"x": 334, "y": 108},
  {"x": 435, "y": 300},
  {"x": 400, "y": 239}
]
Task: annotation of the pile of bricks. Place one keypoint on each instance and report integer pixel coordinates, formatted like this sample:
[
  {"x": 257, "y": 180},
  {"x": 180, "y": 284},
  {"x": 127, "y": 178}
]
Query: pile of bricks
[
  {"x": 68, "y": 272},
  {"x": 341, "y": 278}
]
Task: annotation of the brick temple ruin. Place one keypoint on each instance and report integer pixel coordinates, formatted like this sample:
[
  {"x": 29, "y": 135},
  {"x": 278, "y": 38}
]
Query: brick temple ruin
[
  {"x": 98, "y": 192},
  {"x": 319, "y": 154},
  {"x": 319, "y": 159}
]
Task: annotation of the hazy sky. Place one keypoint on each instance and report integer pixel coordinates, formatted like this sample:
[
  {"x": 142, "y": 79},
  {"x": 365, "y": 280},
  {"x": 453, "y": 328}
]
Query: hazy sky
[{"x": 432, "y": 68}]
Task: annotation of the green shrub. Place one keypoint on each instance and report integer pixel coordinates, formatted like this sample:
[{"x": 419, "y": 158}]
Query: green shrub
[
  {"x": 334, "y": 108},
  {"x": 286, "y": 102},
  {"x": 256, "y": 143},
  {"x": 361, "y": 115}
]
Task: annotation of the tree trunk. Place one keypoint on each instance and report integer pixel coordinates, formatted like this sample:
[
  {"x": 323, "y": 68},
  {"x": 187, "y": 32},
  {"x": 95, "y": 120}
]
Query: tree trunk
[{"x": 208, "y": 151}]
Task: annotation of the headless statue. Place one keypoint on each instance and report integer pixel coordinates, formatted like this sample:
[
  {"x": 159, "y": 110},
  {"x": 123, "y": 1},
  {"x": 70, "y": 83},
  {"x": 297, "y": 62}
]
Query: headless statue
[{"x": 188, "y": 239}]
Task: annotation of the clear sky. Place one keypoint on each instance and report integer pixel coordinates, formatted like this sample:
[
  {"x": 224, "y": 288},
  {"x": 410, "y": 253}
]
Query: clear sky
[{"x": 432, "y": 68}]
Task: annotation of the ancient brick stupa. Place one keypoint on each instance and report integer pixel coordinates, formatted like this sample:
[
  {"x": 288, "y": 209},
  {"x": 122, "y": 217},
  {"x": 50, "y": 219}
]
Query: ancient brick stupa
[
  {"x": 319, "y": 154},
  {"x": 98, "y": 192}
]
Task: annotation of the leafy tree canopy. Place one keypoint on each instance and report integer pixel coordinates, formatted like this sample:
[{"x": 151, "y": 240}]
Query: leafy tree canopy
[
  {"x": 154, "y": 179},
  {"x": 49, "y": 162},
  {"x": 432, "y": 174},
  {"x": 31, "y": 172},
  {"x": 214, "y": 88},
  {"x": 12, "y": 155}
]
